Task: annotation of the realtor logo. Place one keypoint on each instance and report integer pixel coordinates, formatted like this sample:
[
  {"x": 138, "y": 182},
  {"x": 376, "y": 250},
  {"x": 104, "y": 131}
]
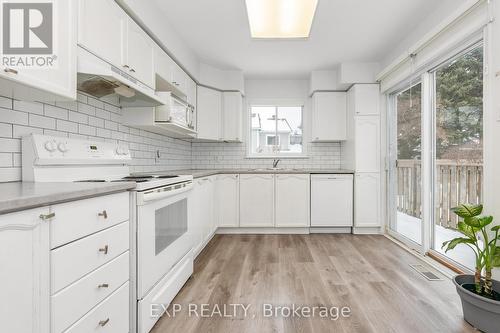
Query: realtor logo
[{"x": 27, "y": 28}]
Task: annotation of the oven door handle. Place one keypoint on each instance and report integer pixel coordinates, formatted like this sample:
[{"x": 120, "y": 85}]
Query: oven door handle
[{"x": 146, "y": 197}]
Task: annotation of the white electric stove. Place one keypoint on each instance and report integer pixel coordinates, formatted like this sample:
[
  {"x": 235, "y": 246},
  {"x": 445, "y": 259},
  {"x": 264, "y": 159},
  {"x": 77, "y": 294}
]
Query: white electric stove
[{"x": 160, "y": 239}]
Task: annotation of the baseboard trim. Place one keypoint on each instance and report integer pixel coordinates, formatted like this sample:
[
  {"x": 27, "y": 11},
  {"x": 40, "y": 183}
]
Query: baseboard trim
[
  {"x": 367, "y": 231},
  {"x": 336, "y": 230},
  {"x": 271, "y": 231}
]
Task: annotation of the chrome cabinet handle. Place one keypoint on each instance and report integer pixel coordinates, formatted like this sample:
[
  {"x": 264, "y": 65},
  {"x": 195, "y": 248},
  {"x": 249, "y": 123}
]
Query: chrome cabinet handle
[
  {"x": 126, "y": 66},
  {"x": 104, "y": 214},
  {"x": 104, "y": 285},
  {"x": 46, "y": 217},
  {"x": 10, "y": 70},
  {"x": 104, "y": 249},
  {"x": 132, "y": 70},
  {"x": 104, "y": 322}
]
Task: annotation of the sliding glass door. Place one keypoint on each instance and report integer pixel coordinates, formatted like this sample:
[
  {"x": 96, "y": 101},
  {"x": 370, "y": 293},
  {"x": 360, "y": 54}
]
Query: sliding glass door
[
  {"x": 436, "y": 154},
  {"x": 406, "y": 172},
  {"x": 458, "y": 140}
]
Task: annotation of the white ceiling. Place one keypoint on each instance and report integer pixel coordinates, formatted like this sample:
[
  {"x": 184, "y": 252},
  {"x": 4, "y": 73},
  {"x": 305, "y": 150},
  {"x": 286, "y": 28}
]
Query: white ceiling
[{"x": 343, "y": 31}]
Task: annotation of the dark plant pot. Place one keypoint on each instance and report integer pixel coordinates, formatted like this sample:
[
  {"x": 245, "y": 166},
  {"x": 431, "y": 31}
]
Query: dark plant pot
[{"x": 480, "y": 312}]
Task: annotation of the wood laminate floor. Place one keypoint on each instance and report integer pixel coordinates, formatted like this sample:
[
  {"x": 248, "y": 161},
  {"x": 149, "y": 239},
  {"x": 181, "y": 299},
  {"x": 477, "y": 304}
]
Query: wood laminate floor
[{"x": 368, "y": 274}]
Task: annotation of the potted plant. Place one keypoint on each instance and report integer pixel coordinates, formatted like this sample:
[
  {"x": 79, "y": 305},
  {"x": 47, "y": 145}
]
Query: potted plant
[{"x": 479, "y": 293}]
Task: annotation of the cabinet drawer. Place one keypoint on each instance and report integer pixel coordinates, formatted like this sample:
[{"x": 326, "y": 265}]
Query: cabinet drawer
[
  {"x": 71, "y": 303},
  {"x": 78, "y": 219},
  {"x": 111, "y": 316},
  {"x": 69, "y": 263}
]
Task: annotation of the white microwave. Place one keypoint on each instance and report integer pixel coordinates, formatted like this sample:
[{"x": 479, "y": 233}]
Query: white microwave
[{"x": 175, "y": 111}]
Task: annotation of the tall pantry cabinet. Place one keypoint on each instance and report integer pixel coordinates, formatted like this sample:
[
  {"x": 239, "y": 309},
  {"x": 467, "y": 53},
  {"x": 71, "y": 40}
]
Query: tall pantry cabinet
[{"x": 363, "y": 155}]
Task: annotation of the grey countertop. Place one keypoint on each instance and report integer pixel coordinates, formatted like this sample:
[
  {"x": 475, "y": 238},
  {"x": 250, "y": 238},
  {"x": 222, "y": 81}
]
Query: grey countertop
[
  {"x": 18, "y": 196},
  {"x": 205, "y": 173}
]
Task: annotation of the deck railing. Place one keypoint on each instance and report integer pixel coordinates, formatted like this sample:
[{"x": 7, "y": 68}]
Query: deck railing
[{"x": 456, "y": 182}]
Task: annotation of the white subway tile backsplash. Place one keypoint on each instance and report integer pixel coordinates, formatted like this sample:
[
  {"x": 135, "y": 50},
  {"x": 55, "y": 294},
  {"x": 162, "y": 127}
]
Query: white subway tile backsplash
[
  {"x": 78, "y": 117},
  {"x": 55, "y": 112},
  {"x": 86, "y": 130},
  {"x": 31, "y": 107},
  {"x": 6, "y": 160},
  {"x": 20, "y": 131},
  {"x": 10, "y": 145},
  {"x": 5, "y": 130},
  {"x": 87, "y": 109},
  {"x": 41, "y": 121},
  {"x": 13, "y": 117},
  {"x": 67, "y": 126},
  {"x": 5, "y": 102},
  {"x": 96, "y": 122}
]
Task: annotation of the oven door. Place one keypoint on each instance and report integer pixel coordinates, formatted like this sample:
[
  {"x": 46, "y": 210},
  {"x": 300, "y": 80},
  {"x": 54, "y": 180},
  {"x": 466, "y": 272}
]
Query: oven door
[{"x": 163, "y": 238}]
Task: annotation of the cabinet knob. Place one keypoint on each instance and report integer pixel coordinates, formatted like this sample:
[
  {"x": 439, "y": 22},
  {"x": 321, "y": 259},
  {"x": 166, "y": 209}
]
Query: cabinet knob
[
  {"x": 104, "y": 322},
  {"x": 126, "y": 66},
  {"x": 46, "y": 217},
  {"x": 104, "y": 214},
  {"x": 104, "y": 249},
  {"x": 10, "y": 70},
  {"x": 132, "y": 70},
  {"x": 104, "y": 285}
]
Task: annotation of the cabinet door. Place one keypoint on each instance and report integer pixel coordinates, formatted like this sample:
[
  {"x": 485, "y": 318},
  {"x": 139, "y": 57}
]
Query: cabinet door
[
  {"x": 329, "y": 116},
  {"x": 209, "y": 114},
  {"x": 367, "y": 200},
  {"x": 232, "y": 116},
  {"x": 367, "y": 99},
  {"x": 24, "y": 273},
  {"x": 101, "y": 29},
  {"x": 191, "y": 92},
  {"x": 292, "y": 200},
  {"x": 331, "y": 200},
  {"x": 179, "y": 78},
  {"x": 163, "y": 64},
  {"x": 227, "y": 198},
  {"x": 256, "y": 200},
  {"x": 48, "y": 83},
  {"x": 367, "y": 144},
  {"x": 139, "y": 54},
  {"x": 196, "y": 216}
]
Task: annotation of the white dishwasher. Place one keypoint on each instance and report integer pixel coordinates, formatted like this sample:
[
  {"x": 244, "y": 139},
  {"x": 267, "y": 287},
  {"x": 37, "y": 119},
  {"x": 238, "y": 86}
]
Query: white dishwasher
[{"x": 332, "y": 201}]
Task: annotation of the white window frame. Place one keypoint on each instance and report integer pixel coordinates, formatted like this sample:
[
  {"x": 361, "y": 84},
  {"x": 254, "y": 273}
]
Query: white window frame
[{"x": 275, "y": 103}]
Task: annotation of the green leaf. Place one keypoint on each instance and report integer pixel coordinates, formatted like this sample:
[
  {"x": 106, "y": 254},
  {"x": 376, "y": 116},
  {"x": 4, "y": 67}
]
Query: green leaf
[
  {"x": 454, "y": 242},
  {"x": 466, "y": 230},
  {"x": 472, "y": 222},
  {"x": 467, "y": 210},
  {"x": 484, "y": 221},
  {"x": 495, "y": 260},
  {"x": 495, "y": 228}
]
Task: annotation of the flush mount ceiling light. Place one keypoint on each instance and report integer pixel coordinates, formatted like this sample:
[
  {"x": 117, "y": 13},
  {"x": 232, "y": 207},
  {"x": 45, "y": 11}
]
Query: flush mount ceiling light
[{"x": 280, "y": 18}]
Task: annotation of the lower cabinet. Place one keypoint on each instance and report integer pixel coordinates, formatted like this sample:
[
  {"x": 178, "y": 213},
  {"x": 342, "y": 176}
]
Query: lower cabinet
[
  {"x": 292, "y": 200},
  {"x": 256, "y": 200},
  {"x": 25, "y": 272},
  {"x": 80, "y": 286},
  {"x": 367, "y": 200},
  {"x": 227, "y": 189},
  {"x": 202, "y": 217}
]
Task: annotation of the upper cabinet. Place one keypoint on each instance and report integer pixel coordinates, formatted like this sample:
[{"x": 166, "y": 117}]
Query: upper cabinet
[
  {"x": 208, "y": 115},
  {"x": 329, "y": 114},
  {"x": 56, "y": 79},
  {"x": 366, "y": 101},
  {"x": 101, "y": 28},
  {"x": 138, "y": 54},
  {"x": 232, "y": 110},
  {"x": 105, "y": 30}
]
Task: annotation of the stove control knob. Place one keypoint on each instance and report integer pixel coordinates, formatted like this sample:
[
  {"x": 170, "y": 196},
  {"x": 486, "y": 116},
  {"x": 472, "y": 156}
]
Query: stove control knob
[
  {"x": 50, "y": 146},
  {"x": 62, "y": 147}
]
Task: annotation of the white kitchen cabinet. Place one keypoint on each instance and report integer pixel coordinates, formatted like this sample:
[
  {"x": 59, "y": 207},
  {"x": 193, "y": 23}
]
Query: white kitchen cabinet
[
  {"x": 227, "y": 200},
  {"x": 367, "y": 200},
  {"x": 366, "y": 101},
  {"x": 232, "y": 114},
  {"x": 106, "y": 30},
  {"x": 138, "y": 54},
  {"x": 256, "y": 200},
  {"x": 367, "y": 144},
  {"x": 208, "y": 115},
  {"x": 25, "y": 272},
  {"x": 329, "y": 115},
  {"x": 101, "y": 29},
  {"x": 163, "y": 64},
  {"x": 202, "y": 212},
  {"x": 47, "y": 83},
  {"x": 292, "y": 199},
  {"x": 191, "y": 92},
  {"x": 332, "y": 200},
  {"x": 179, "y": 78}
]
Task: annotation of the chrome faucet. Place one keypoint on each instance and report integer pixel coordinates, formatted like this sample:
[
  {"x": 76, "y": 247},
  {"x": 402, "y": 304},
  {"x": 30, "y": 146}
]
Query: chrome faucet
[{"x": 275, "y": 163}]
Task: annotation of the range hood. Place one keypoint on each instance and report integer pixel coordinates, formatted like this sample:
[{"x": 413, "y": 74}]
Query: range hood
[{"x": 100, "y": 79}]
